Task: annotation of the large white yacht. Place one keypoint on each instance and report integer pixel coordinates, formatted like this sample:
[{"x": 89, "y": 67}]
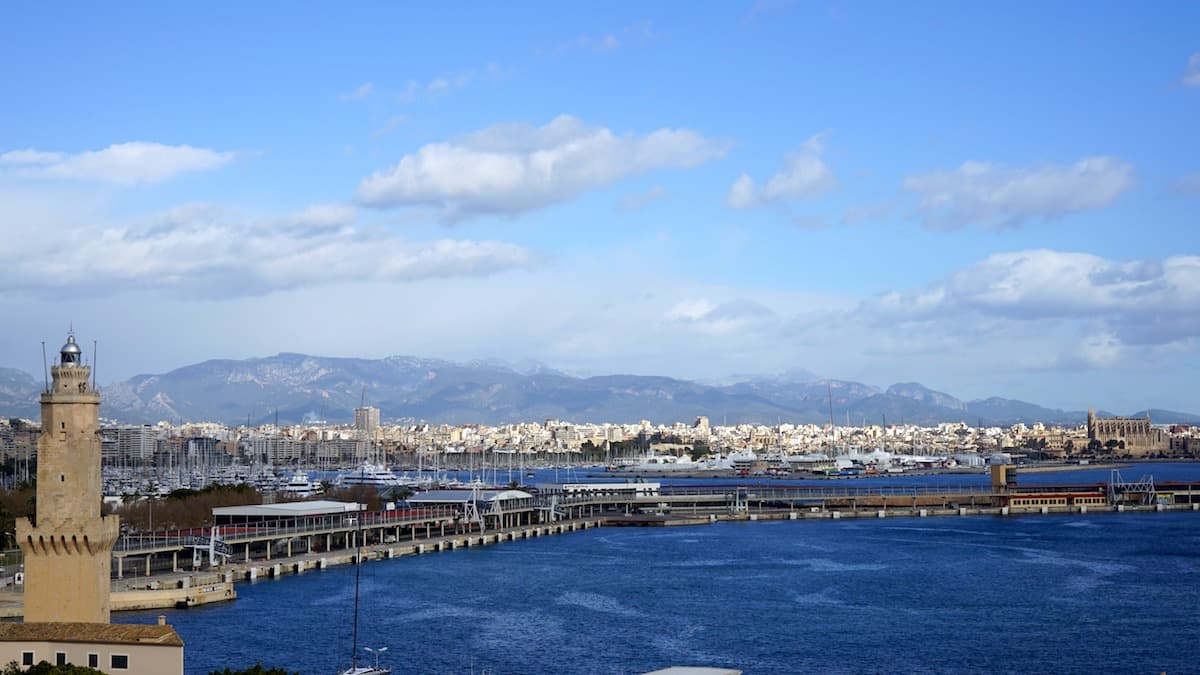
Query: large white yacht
[
  {"x": 371, "y": 475},
  {"x": 299, "y": 485}
]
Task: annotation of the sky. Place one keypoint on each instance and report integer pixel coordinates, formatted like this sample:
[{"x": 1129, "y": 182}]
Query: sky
[{"x": 992, "y": 199}]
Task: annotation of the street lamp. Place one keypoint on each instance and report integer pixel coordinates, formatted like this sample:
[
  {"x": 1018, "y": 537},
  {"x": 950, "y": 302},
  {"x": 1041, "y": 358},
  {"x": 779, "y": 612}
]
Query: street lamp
[{"x": 376, "y": 652}]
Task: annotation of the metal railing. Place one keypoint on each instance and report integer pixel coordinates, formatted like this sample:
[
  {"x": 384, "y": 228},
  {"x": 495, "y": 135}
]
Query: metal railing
[{"x": 149, "y": 542}]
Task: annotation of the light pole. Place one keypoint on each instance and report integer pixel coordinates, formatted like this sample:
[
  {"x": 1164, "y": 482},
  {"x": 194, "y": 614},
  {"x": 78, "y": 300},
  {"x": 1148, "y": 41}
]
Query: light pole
[{"x": 376, "y": 652}]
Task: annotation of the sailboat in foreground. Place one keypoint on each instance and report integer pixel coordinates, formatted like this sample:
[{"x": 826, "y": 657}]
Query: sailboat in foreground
[{"x": 354, "y": 668}]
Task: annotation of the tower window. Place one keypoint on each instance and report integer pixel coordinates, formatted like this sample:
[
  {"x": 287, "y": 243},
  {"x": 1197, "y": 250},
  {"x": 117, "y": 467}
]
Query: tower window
[
  {"x": 64, "y": 425},
  {"x": 62, "y": 477}
]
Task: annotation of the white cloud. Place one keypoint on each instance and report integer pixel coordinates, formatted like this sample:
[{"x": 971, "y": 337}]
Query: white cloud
[
  {"x": 319, "y": 218},
  {"x": 803, "y": 175},
  {"x": 1046, "y": 283},
  {"x": 1191, "y": 77},
  {"x": 359, "y": 93},
  {"x": 690, "y": 310},
  {"x": 209, "y": 251},
  {"x": 447, "y": 83},
  {"x": 26, "y": 157},
  {"x": 996, "y": 196},
  {"x": 741, "y": 193},
  {"x": 514, "y": 168},
  {"x": 1112, "y": 306},
  {"x": 122, "y": 163},
  {"x": 729, "y": 318}
]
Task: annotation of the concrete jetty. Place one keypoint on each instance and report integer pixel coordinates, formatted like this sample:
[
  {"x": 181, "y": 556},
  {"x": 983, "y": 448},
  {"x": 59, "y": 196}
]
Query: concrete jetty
[{"x": 276, "y": 549}]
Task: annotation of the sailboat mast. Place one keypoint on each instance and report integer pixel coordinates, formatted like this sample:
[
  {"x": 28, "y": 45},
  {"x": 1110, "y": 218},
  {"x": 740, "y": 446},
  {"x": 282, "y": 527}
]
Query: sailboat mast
[
  {"x": 832, "y": 435},
  {"x": 357, "y": 575}
]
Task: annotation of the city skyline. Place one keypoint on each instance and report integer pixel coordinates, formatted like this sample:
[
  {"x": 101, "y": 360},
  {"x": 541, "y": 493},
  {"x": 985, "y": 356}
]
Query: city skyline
[{"x": 987, "y": 200}]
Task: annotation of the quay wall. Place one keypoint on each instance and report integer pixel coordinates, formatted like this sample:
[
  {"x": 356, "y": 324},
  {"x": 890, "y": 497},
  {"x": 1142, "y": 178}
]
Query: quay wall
[{"x": 176, "y": 590}]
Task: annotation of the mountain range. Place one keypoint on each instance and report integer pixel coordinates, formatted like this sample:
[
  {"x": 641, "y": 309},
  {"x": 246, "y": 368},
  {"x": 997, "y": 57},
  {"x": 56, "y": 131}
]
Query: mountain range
[{"x": 298, "y": 387}]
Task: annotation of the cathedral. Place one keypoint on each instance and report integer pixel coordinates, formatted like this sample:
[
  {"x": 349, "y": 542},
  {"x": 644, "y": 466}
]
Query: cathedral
[{"x": 1133, "y": 434}]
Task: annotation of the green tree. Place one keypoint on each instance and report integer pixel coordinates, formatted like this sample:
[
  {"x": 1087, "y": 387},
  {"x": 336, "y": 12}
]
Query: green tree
[
  {"x": 257, "y": 669},
  {"x": 44, "y": 668}
]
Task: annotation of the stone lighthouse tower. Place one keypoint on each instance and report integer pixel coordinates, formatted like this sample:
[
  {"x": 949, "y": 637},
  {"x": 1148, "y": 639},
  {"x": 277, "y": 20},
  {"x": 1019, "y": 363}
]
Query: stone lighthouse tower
[{"x": 68, "y": 550}]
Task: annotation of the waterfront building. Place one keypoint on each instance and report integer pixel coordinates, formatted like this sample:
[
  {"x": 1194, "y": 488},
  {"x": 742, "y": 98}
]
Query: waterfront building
[
  {"x": 68, "y": 546},
  {"x": 1133, "y": 434}
]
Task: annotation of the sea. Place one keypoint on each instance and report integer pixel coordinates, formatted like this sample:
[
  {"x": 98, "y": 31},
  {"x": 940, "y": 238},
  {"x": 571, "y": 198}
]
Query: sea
[{"x": 1096, "y": 593}]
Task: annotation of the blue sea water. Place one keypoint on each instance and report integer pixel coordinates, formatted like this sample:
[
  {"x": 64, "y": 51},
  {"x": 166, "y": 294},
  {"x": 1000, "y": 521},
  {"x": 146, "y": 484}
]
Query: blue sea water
[{"x": 1112, "y": 593}]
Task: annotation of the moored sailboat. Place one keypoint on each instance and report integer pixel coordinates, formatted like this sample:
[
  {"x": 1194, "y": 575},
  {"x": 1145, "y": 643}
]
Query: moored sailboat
[{"x": 354, "y": 668}]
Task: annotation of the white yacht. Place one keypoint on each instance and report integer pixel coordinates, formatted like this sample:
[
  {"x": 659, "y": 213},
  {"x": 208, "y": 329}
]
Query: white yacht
[
  {"x": 299, "y": 485},
  {"x": 371, "y": 475}
]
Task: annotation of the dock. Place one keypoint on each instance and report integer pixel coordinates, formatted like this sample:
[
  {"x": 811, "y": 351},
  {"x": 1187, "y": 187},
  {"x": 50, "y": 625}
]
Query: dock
[{"x": 176, "y": 569}]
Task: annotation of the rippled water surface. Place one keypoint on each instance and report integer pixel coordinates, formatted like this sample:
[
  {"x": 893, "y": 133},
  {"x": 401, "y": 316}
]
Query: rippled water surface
[{"x": 1096, "y": 593}]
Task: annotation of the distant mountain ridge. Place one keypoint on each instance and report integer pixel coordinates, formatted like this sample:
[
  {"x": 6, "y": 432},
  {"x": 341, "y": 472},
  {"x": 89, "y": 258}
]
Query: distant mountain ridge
[
  {"x": 19, "y": 394},
  {"x": 299, "y": 387}
]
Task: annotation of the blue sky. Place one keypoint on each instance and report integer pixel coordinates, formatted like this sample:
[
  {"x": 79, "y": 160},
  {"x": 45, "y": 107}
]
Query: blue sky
[{"x": 988, "y": 199}]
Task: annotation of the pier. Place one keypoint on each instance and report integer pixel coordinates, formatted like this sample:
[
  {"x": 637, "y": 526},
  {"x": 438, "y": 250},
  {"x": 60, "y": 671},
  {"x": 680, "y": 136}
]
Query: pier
[{"x": 191, "y": 567}]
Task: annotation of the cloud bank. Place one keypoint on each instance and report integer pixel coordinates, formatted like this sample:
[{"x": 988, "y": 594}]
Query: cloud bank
[
  {"x": 122, "y": 163},
  {"x": 995, "y": 196},
  {"x": 206, "y": 250},
  {"x": 509, "y": 169},
  {"x": 1116, "y": 305}
]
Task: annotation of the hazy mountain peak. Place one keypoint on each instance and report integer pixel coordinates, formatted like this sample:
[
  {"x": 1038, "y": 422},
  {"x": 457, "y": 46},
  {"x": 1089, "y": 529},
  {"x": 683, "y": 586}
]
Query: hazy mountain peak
[
  {"x": 301, "y": 386},
  {"x": 919, "y": 392}
]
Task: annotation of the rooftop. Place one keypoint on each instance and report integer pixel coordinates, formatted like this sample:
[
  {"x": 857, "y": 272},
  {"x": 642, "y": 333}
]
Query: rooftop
[
  {"x": 320, "y": 507},
  {"x": 100, "y": 633},
  {"x": 464, "y": 496}
]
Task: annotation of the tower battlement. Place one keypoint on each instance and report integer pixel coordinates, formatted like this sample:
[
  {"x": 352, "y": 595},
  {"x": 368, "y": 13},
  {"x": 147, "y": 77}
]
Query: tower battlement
[
  {"x": 71, "y": 380},
  {"x": 68, "y": 553}
]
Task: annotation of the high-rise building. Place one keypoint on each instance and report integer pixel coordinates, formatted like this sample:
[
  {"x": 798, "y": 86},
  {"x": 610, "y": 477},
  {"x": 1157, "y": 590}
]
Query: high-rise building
[
  {"x": 366, "y": 422},
  {"x": 366, "y": 426}
]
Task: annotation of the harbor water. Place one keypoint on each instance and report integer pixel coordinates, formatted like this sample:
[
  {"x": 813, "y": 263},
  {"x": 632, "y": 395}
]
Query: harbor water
[{"x": 1058, "y": 593}]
